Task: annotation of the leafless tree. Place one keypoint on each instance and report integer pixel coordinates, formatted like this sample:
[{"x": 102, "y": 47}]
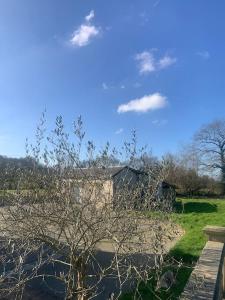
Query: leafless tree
[
  {"x": 210, "y": 142},
  {"x": 188, "y": 157},
  {"x": 66, "y": 224}
]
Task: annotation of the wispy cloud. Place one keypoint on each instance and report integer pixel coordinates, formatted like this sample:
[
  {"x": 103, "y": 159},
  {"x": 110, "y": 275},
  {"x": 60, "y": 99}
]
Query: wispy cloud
[
  {"x": 156, "y": 3},
  {"x": 159, "y": 122},
  {"x": 137, "y": 85},
  {"x": 109, "y": 86},
  {"x": 105, "y": 86},
  {"x": 166, "y": 61},
  {"x": 91, "y": 16},
  {"x": 119, "y": 131},
  {"x": 144, "y": 18},
  {"x": 204, "y": 54},
  {"x": 85, "y": 32},
  {"x": 149, "y": 102},
  {"x": 148, "y": 63}
]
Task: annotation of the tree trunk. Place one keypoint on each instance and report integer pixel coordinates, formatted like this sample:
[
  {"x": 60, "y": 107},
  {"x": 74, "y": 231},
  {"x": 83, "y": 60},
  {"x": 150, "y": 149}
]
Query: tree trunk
[
  {"x": 223, "y": 180},
  {"x": 76, "y": 283}
]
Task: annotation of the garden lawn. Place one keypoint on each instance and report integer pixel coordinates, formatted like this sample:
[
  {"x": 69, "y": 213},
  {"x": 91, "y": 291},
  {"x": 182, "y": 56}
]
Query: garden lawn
[{"x": 192, "y": 215}]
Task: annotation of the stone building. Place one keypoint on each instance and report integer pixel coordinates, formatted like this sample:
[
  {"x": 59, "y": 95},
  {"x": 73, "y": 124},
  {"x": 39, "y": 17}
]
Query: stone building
[{"x": 116, "y": 185}]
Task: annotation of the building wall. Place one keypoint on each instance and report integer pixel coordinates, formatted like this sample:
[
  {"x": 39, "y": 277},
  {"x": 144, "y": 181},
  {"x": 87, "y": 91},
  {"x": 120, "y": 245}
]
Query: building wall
[
  {"x": 124, "y": 185},
  {"x": 96, "y": 191},
  {"x": 127, "y": 188}
]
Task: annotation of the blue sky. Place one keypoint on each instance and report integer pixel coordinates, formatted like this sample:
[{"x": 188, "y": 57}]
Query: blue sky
[{"x": 152, "y": 65}]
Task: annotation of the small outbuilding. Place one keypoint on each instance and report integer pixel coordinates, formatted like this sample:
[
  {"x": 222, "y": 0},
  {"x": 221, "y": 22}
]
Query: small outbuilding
[{"x": 117, "y": 184}]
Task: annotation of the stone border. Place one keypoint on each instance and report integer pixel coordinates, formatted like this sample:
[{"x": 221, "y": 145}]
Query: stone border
[
  {"x": 215, "y": 233},
  {"x": 207, "y": 279}
]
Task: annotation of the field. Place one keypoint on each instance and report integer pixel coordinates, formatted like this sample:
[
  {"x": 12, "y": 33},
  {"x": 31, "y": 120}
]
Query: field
[{"x": 192, "y": 215}]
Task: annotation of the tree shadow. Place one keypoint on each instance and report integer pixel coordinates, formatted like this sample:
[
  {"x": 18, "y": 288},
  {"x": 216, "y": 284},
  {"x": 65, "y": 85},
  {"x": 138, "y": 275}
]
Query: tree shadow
[
  {"x": 185, "y": 257},
  {"x": 195, "y": 207}
]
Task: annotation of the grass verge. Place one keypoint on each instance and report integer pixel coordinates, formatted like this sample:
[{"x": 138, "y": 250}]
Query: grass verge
[{"x": 192, "y": 215}]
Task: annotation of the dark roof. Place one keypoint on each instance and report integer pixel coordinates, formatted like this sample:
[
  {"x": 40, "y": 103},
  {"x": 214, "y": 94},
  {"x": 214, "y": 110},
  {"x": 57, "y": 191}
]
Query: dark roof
[
  {"x": 95, "y": 172},
  {"x": 166, "y": 185},
  {"x": 109, "y": 172}
]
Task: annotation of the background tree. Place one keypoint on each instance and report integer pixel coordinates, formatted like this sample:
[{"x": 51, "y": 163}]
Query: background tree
[
  {"x": 184, "y": 173},
  {"x": 188, "y": 157},
  {"x": 9, "y": 170},
  {"x": 210, "y": 143}
]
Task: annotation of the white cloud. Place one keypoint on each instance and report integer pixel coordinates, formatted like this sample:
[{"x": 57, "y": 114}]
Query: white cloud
[
  {"x": 109, "y": 86},
  {"x": 144, "y": 104},
  {"x": 85, "y": 32},
  {"x": 204, "y": 54},
  {"x": 83, "y": 35},
  {"x": 119, "y": 131},
  {"x": 147, "y": 62},
  {"x": 91, "y": 15},
  {"x": 166, "y": 61}
]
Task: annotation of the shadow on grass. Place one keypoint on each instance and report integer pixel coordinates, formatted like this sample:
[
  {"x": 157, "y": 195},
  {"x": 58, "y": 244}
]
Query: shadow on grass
[
  {"x": 177, "y": 261},
  {"x": 149, "y": 291},
  {"x": 195, "y": 207},
  {"x": 179, "y": 255}
]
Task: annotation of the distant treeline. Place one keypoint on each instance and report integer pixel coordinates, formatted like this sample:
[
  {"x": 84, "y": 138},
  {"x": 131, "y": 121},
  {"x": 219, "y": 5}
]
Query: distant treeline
[
  {"x": 188, "y": 182},
  {"x": 10, "y": 170}
]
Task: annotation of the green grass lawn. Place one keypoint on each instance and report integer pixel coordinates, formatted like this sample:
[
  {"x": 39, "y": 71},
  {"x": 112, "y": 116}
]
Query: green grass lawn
[{"x": 192, "y": 215}]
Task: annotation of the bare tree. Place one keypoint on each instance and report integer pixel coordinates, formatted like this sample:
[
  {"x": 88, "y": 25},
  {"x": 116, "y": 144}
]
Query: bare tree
[
  {"x": 210, "y": 142},
  {"x": 183, "y": 173},
  {"x": 188, "y": 157},
  {"x": 70, "y": 227}
]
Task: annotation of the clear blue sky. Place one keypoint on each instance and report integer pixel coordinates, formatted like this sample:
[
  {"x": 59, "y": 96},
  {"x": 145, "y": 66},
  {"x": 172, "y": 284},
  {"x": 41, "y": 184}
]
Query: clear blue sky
[{"x": 92, "y": 58}]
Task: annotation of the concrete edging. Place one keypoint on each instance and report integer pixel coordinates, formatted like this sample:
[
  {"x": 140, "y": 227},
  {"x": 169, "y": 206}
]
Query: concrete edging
[{"x": 206, "y": 281}]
